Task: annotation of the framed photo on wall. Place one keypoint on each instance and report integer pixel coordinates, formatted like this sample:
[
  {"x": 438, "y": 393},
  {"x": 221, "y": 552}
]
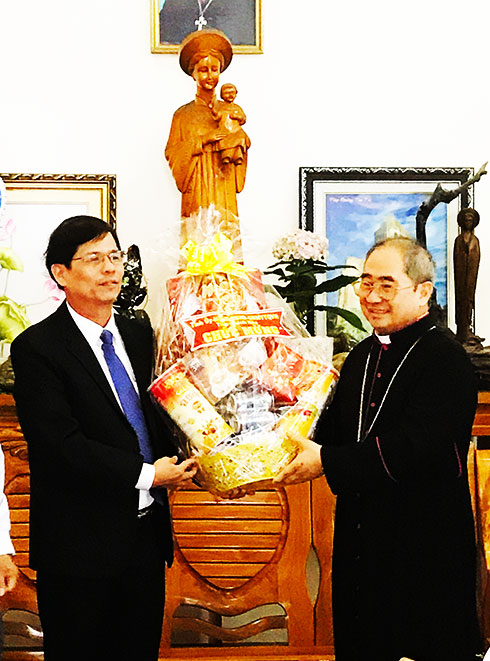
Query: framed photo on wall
[
  {"x": 35, "y": 205},
  {"x": 354, "y": 207},
  {"x": 240, "y": 20}
]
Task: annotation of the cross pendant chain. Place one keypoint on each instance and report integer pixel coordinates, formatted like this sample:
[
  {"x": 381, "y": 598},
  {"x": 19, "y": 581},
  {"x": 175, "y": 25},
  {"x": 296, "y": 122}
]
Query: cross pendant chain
[{"x": 200, "y": 22}]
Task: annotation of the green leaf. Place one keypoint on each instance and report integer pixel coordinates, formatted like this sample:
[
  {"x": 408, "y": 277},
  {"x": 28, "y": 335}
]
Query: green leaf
[
  {"x": 300, "y": 276},
  {"x": 10, "y": 260},
  {"x": 304, "y": 293},
  {"x": 13, "y": 319},
  {"x": 348, "y": 315},
  {"x": 307, "y": 265},
  {"x": 335, "y": 283},
  {"x": 325, "y": 267},
  {"x": 285, "y": 291},
  {"x": 279, "y": 272}
]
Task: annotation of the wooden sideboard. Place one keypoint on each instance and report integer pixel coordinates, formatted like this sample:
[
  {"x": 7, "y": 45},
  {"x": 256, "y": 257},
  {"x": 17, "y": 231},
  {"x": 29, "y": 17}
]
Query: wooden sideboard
[
  {"x": 251, "y": 578},
  {"x": 481, "y": 425}
]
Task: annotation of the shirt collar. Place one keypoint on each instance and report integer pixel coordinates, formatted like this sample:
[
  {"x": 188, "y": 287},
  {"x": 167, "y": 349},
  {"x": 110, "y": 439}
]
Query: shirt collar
[
  {"x": 410, "y": 333},
  {"x": 91, "y": 330}
]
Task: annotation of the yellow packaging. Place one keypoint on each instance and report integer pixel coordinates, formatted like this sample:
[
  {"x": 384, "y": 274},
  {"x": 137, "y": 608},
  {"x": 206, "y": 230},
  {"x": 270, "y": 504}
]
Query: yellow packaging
[
  {"x": 256, "y": 458},
  {"x": 301, "y": 417},
  {"x": 187, "y": 407}
]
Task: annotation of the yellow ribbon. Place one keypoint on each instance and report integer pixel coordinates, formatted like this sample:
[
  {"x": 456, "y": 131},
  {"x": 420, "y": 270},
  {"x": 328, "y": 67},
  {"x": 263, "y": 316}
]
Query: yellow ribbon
[{"x": 215, "y": 257}]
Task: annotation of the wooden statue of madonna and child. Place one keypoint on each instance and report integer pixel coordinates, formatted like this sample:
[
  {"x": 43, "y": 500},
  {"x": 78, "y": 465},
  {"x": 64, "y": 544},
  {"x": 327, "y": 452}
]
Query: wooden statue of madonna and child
[{"x": 207, "y": 147}]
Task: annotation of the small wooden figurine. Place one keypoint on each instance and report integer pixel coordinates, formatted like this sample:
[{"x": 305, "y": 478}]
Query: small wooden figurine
[{"x": 466, "y": 256}]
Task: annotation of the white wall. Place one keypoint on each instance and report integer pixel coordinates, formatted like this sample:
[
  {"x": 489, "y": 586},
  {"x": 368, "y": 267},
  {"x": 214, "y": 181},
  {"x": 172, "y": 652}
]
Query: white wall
[{"x": 344, "y": 83}]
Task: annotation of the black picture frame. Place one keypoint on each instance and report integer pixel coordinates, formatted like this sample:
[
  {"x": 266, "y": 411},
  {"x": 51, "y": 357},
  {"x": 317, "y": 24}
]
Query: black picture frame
[
  {"x": 320, "y": 185},
  {"x": 309, "y": 176}
]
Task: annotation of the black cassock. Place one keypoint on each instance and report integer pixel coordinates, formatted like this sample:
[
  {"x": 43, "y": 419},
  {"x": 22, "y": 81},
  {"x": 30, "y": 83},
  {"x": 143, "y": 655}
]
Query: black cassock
[{"x": 404, "y": 550}]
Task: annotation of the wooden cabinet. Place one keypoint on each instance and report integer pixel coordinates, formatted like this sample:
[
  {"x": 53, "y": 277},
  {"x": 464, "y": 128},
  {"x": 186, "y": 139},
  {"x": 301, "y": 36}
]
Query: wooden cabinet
[
  {"x": 23, "y": 636},
  {"x": 251, "y": 579},
  {"x": 248, "y": 572}
]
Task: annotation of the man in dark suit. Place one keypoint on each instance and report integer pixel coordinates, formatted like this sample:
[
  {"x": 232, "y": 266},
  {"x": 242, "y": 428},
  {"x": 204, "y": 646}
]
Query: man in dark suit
[{"x": 99, "y": 539}]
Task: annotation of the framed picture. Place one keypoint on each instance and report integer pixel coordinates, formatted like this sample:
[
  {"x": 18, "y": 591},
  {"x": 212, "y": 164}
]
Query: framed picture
[
  {"x": 354, "y": 207},
  {"x": 240, "y": 20},
  {"x": 35, "y": 204}
]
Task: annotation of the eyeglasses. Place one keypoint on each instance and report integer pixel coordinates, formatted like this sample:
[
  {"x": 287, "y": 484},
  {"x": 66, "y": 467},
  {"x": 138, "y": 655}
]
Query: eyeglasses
[
  {"x": 385, "y": 290},
  {"x": 98, "y": 258}
]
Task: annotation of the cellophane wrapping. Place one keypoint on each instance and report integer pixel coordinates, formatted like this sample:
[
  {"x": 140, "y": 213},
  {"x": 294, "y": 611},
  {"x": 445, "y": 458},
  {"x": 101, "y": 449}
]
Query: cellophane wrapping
[{"x": 238, "y": 373}]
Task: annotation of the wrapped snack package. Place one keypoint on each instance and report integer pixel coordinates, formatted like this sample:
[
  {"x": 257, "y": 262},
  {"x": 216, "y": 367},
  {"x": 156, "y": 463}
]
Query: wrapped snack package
[
  {"x": 215, "y": 292},
  {"x": 239, "y": 374},
  {"x": 218, "y": 369},
  {"x": 198, "y": 293},
  {"x": 197, "y": 418}
]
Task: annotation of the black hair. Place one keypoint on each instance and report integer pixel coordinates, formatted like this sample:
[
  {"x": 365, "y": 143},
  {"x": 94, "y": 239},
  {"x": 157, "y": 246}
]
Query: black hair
[{"x": 72, "y": 233}]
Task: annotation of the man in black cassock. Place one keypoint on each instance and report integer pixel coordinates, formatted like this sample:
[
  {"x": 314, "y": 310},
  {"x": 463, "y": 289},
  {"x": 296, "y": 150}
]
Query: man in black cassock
[{"x": 393, "y": 447}]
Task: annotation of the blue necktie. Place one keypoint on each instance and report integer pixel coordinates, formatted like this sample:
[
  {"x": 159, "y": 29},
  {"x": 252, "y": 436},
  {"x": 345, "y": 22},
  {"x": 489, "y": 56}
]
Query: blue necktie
[{"x": 128, "y": 396}]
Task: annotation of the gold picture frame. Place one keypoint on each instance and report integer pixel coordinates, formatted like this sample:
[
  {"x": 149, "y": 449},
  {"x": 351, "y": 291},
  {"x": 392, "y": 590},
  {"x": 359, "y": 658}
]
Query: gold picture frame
[
  {"x": 35, "y": 205},
  {"x": 96, "y": 191},
  {"x": 245, "y": 33}
]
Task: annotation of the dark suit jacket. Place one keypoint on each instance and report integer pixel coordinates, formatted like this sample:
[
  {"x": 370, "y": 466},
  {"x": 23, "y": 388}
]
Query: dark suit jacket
[{"x": 83, "y": 454}]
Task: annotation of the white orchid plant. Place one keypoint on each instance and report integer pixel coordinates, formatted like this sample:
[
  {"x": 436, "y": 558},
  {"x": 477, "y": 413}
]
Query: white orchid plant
[{"x": 302, "y": 258}]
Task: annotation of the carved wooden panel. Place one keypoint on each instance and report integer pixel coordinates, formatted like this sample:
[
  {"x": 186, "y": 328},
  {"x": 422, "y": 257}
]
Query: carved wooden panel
[
  {"x": 323, "y": 513},
  {"x": 222, "y": 558},
  {"x": 240, "y": 570}
]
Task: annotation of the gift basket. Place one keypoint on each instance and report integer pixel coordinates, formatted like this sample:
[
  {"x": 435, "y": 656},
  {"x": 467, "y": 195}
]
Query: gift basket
[{"x": 238, "y": 373}]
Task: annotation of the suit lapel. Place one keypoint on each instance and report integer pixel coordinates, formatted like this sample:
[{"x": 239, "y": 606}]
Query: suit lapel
[{"x": 78, "y": 346}]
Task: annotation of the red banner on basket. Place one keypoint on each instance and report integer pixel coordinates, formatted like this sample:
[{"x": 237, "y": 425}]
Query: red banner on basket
[{"x": 209, "y": 329}]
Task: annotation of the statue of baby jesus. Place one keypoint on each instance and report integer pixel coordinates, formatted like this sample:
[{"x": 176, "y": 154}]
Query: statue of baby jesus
[{"x": 234, "y": 144}]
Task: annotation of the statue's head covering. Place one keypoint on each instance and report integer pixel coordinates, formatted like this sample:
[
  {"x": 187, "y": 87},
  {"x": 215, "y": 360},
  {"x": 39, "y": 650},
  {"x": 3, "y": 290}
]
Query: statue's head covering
[
  {"x": 472, "y": 213},
  {"x": 202, "y": 43}
]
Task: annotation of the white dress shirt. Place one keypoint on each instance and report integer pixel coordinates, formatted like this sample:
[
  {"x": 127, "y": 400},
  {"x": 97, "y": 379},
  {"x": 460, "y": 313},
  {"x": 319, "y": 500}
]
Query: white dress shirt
[
  {"x": 91, "y": 332},
  {"x": 6, "y": 545}
]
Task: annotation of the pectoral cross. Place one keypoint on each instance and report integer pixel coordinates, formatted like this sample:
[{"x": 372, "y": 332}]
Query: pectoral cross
[{"x": 200, "y": 22}]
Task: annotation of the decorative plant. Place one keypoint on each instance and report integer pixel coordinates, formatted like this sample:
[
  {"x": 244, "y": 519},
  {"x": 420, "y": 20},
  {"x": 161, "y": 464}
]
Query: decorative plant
[
  {"x": 13, "y": 316},
  {"x": 302, "y": 258},
  {"x": 133, "y": 290}
]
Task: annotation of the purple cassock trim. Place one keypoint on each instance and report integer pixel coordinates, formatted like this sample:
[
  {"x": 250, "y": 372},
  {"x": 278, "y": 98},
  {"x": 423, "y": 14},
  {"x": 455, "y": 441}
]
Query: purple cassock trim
[
  {"x": 383, "y": 460},
  {"x": 460, "y": 471},
  {"x": 460, "y": 466}
]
